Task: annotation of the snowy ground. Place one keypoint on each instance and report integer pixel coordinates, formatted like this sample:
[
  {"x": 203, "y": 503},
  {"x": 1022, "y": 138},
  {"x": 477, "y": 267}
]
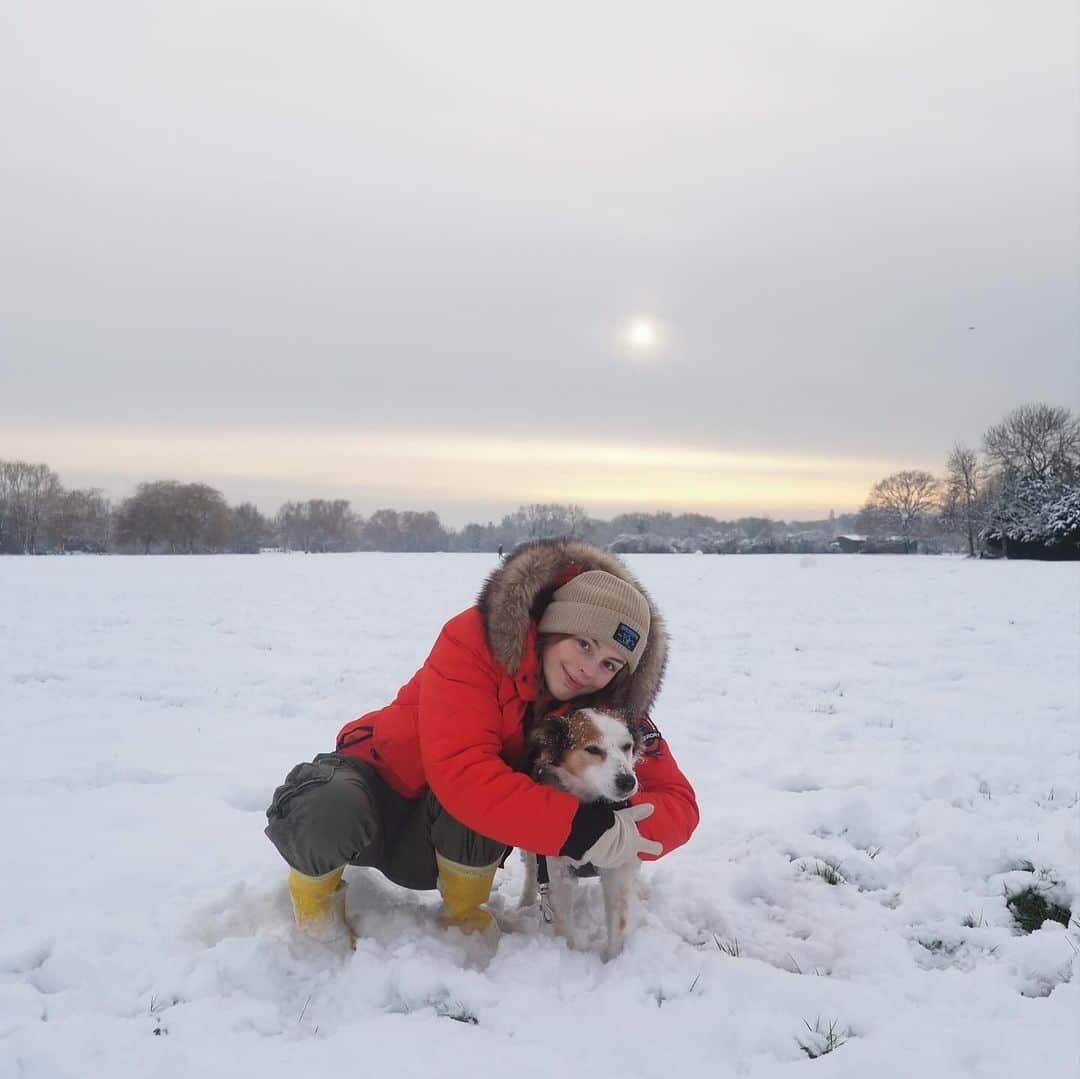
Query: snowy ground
[{"x": 912, "y": 721}]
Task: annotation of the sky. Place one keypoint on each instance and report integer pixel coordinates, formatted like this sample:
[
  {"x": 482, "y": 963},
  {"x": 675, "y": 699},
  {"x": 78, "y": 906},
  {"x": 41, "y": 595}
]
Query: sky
[{"x": 737, "y": 257}]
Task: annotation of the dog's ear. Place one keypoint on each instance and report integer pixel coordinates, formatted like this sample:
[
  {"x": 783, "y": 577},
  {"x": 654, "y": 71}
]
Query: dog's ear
[
  {"x": 633, "y": 727},
  {"x": 549, "y": 740}
]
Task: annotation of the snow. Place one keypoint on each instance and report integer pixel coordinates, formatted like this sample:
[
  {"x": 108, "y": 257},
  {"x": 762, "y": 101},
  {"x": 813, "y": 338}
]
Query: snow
[{"x": 912, "y": 721}]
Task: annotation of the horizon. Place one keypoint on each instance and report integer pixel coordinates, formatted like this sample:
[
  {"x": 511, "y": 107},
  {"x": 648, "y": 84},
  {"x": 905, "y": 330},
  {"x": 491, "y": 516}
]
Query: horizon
[{"x": 723, "y": 486}]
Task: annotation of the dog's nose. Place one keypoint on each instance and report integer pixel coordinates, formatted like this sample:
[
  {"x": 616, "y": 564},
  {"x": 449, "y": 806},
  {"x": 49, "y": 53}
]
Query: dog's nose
[{"x": 625, "y": 783}]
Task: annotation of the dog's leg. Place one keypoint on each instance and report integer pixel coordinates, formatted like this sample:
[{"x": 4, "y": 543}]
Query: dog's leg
[
  {"x": 620, "y": 889},
  {"x": 562, "y": 887},
  {"x": 529, "y": 891}
]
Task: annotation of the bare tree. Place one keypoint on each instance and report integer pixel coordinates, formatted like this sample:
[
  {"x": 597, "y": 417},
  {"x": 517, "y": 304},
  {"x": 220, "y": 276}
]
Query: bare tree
[
  {"x": 963, "y": 494},
  {"x": 321, "y": 525},
  {"x": 576, "y": 519},
  {"x": 382, "y": 529},
  {"x": 334, "y": 525},
  {"x": 81, "y": 521},
  {"x": 185, "y": 516},
  {"x": 483, "y": 537},
  {"x": 634, "y": 522},
  {"x": 145, "y": 519},
  {"x": 422, "y": 531},
  {"x": 1035, "y": 441},
  {"x": 289, "y": 525},
  {"x": 29, "y": 494},
  {"x": 7, "y": 544},
  {"x": 248, "y": 528},
  {"x": 546, "y": 519},
  {"x": 900, "y": 501},
  {"x": 199, "y": 518}
]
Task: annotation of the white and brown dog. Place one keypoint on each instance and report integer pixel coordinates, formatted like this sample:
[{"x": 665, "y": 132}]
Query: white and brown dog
[{"x": 590, "y": 754}]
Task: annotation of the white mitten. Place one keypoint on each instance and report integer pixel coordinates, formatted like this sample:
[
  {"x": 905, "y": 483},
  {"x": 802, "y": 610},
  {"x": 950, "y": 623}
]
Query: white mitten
[{"x": 622, "y": 842}]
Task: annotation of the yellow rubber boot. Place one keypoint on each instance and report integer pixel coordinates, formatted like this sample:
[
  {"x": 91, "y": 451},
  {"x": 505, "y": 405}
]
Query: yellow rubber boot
[
  {"x": 464, "y": 888},
  {"x": 319, "y": 906}
]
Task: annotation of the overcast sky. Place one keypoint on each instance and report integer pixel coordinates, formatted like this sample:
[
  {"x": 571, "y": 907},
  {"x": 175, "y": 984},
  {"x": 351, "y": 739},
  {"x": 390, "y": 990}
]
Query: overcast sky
[{"x": 719, "y": 256}]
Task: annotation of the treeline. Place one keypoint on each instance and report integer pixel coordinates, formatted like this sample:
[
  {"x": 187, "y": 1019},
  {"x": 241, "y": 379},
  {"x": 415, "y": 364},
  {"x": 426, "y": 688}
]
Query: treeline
[
  {"x": 1019, "y": 497},
  {"x": 39, "y": 516}
]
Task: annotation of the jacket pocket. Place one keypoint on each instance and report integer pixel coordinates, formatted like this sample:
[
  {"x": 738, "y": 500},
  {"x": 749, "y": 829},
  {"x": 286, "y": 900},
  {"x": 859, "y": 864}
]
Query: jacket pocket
[{"x": 355, "y": 734}]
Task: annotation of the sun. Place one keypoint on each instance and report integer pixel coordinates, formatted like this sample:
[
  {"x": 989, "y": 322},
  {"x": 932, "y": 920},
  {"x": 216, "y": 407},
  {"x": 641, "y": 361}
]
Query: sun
[{"x": 642, "y": 334}]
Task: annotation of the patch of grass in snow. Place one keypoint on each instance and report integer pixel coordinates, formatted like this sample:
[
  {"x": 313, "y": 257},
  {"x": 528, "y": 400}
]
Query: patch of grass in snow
[
  {"x": 443, "y": 1005},
  {"x": 829, "y": 871},
  {"x": 157, "y": 1006},
  {"x": 728, "y": 947},
  {"x": 819, "y": 972},
  {"x": 1030, "y": 908},
  {"x": 454, "y": 1009},
  {"x": 822, "y": 1039},
  {"x": 971, "y": 921},
  {"x": 936, "y": 946}
]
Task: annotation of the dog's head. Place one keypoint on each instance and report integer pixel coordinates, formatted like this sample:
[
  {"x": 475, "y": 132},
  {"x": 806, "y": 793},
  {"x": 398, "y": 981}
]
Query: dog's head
[{"x": 589, "y": 753}]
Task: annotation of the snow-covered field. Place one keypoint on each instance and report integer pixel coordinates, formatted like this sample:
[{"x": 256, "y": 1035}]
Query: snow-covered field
[{"x": 911, "y": 721}]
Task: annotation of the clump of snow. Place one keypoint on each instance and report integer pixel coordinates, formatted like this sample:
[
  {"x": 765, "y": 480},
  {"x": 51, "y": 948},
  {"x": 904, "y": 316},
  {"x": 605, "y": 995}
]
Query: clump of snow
[{"x": 884, "y": 750}]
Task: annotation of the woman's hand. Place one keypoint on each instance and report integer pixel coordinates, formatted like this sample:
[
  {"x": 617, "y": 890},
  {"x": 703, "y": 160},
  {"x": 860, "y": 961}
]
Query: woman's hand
[{"x": 618, "y": 840}]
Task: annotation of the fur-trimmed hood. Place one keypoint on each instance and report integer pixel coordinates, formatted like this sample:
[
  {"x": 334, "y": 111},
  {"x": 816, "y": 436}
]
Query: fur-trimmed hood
[{"x": 518, "y": 591}]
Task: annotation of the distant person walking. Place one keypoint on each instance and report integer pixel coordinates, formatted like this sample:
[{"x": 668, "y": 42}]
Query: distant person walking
[{"x": 428, "y": 789}]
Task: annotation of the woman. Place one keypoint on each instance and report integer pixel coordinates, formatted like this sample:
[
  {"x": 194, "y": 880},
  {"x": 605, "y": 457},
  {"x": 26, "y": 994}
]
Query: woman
[{"x": 426, "y": 789}]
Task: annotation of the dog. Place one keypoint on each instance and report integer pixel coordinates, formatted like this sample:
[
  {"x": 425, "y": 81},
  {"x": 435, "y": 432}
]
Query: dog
[{"x": 590, "y": 754}]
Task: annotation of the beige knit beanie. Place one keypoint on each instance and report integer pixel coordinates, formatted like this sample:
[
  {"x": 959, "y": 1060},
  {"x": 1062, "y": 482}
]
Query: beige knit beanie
[{"x": 603, "y": 607}]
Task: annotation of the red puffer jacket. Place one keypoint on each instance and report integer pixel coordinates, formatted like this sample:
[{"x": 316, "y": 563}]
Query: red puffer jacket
[{"x": 458, "y": 725}]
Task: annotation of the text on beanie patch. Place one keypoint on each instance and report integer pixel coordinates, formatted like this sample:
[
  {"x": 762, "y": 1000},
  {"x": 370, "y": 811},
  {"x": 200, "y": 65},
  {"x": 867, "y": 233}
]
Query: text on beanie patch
[{"x": 626, "y": 636}]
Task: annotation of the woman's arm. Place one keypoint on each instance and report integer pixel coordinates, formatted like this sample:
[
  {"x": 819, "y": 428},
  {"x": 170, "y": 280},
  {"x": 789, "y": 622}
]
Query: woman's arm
[
  {"x": 461, "y": 743},
  {"x": 661, "y": 782}
]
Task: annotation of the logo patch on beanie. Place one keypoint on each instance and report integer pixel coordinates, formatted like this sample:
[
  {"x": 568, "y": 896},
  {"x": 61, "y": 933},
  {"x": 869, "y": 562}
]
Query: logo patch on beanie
[{"x": 627, "y": 637}]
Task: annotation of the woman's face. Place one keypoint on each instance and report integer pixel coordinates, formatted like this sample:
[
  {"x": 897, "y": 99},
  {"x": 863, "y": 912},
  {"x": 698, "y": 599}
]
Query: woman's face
[{"x": 577, "y": 666}]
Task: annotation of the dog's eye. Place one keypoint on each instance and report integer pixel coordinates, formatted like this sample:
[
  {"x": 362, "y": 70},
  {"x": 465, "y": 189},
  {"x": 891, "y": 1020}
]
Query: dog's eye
[
  {"x": 594, "y": 751},
  {"x": 627, "y": 748}
]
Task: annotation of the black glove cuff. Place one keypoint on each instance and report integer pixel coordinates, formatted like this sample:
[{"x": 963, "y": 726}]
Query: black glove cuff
[{"x": 590, "y": 822}]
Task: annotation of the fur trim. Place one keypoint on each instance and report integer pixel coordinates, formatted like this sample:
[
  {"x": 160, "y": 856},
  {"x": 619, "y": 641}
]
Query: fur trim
[{"x": 517, "y": 592}]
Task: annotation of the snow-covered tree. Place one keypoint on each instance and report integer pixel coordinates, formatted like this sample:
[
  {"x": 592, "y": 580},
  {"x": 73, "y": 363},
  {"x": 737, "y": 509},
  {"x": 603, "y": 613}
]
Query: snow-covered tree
[
  {"x": 1035, "y": 457},
  {"x": 1036, "y": 518},
  {"x": 1063, "y": 520}
]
